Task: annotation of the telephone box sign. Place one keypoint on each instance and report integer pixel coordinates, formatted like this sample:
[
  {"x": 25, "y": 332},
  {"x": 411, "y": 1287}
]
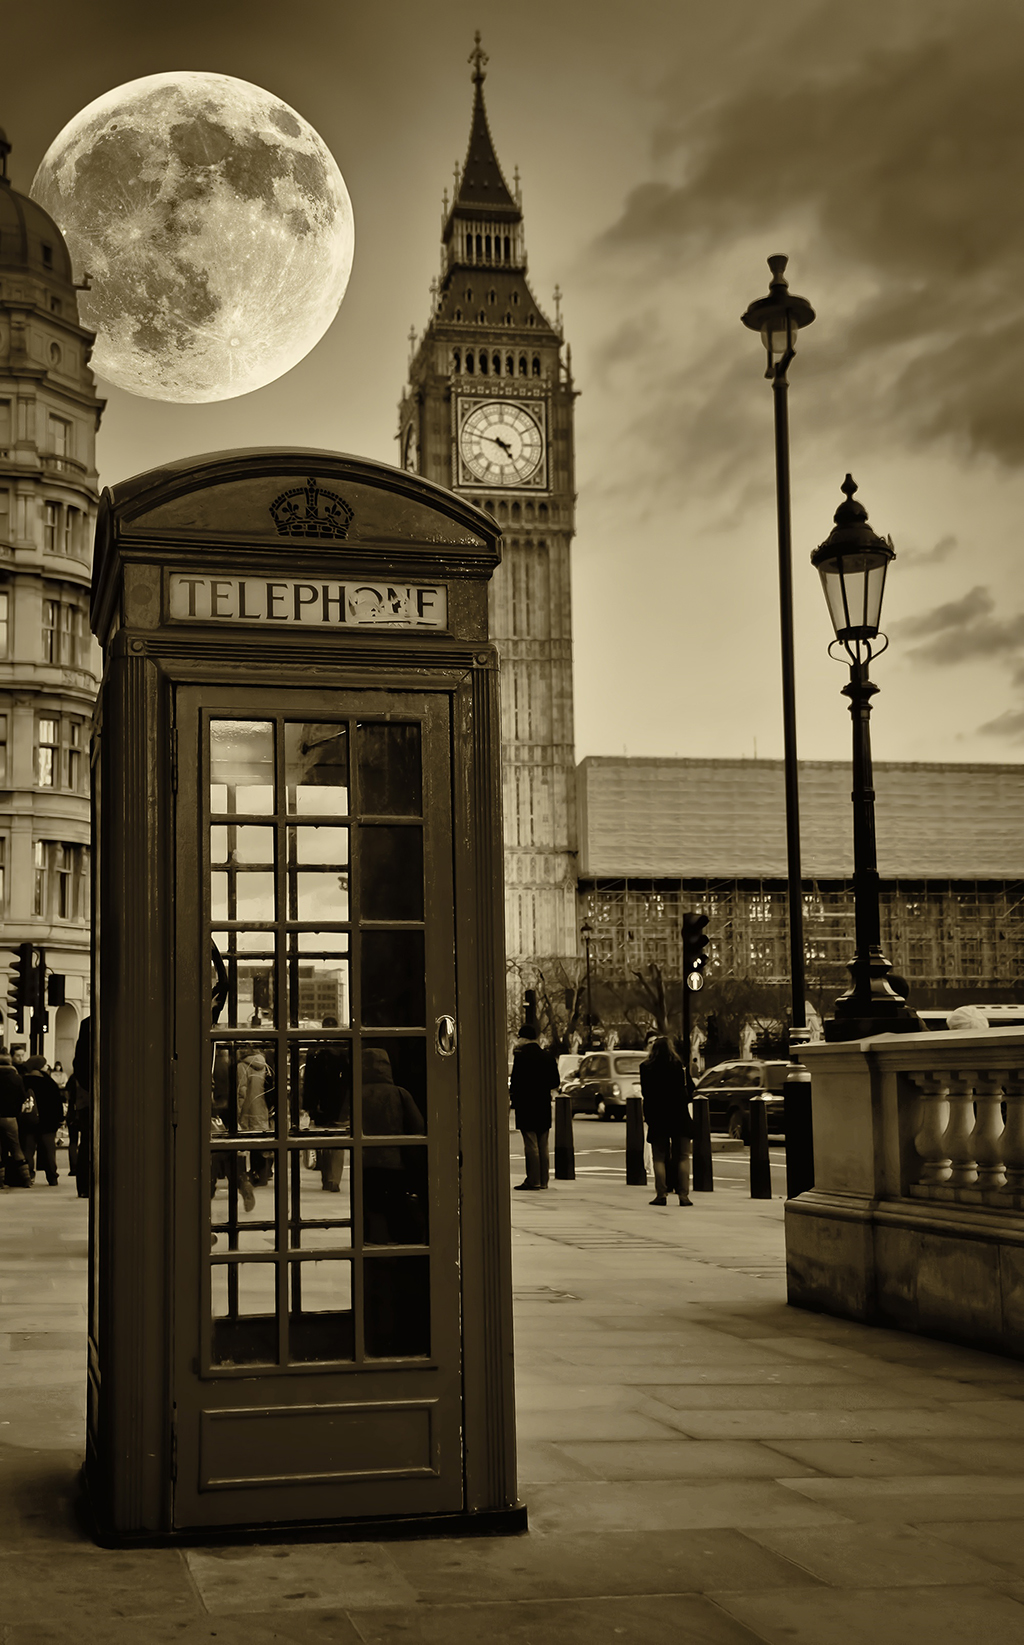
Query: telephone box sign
[{"x": 313, "y": 601}]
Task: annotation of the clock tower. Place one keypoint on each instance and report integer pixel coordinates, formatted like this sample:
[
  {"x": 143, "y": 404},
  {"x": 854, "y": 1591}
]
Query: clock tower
[{"x": 488, "y": 411}]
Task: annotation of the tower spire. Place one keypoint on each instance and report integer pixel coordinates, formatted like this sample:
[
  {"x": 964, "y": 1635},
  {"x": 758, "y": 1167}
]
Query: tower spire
[
  {"x": 478, "y": 57},
  {"x": 481, "y": 182}
]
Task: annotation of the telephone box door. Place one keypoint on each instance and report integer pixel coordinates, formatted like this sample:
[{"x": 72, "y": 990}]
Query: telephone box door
[{"x": 317, "y": 1318}]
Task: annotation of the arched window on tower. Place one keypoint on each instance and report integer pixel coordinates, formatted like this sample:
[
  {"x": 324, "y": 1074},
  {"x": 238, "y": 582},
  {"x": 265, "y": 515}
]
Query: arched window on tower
[
  {"x": 483, "y": 362},
  {"x": 531, "y": 319},
  {"x": 542, "y": 513},
  {"x": 496, "y": 364},
  {"x": 469, "y": 294},
  {"x": 469, "y": 361},
  {"x": 492, "y": 297},
  {"x": 479, "y": 246},
  {"x": 457, "y": 359},
  {"x": 458, "y": 314},
  {"x": 529, "y": 511},
  {"x": 502, "y": 511},
  {"x": 516, "y": 512},
  {"x": 510, "y": 366},
  {"x": 508, "y": 249},
  {"x": 536, "y": 365},
  {"x": 508, "y": 319},
  {"x": 482, "y": 317},
  {"x": 522, "y": 365},
  {"x": 515, "y": 299}
]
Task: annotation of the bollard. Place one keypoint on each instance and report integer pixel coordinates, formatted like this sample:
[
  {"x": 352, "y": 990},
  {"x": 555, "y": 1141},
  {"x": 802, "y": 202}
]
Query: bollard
[
  {"x": 636, "y": 1170},
  {"x": 703, "y": 1172},
  {"x": 799, "y": 1132},
  {"x": 565, "y": 1152},
  {"x": 760, "y": 1165}
]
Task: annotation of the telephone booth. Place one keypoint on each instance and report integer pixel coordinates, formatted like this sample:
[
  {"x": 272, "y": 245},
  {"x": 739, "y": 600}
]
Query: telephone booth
[{"x": 300, "y": 1309}]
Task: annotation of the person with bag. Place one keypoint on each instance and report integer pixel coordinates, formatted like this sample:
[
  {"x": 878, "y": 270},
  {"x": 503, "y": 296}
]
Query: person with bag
[
  {"x": 534, "y": 1076},
  {"x": 49, "y": 1108},
  {"x": 668, "y": 1119},
  {"x": 13, "y": 1168},
  {"x": 28, "y": 1123},
  {"x": 255, "y": 1086}
]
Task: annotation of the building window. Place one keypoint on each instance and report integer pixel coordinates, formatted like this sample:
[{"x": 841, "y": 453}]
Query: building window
[
  {"x": 3, "y": 757},
  {"x": 47, "y": 752},
  {"x": 73, "y": 761},
  {"x": 60, "y": 437},
  {"x": 492, "y": 297},
  {"x": 470, "y": 363},
  {"x": 536, "y": 365},
  {"x": 70, "y": 534},
  {"x": 54, "y": 305},
  {"x": 5, "y": 514},
  {"x": 522, "y": 365},
  {"x": 61, "y": 880},
  {"x": 47, "y": 255},
  {"x": 515, "y": 299},
  {"x": 51, "y": 527},
  {"x": 457, "y": 358},
  {"x": 64, "y": 640}
]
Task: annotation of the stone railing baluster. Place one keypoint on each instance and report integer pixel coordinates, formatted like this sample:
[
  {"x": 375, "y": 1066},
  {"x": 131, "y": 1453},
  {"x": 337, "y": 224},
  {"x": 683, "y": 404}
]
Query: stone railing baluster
[
  {"x": 988, "y": 1128},
  {"x": 1013, "y": 1135},
  {"x": 958, "y": 1140},
  {"x": 932, "y": 1119}
]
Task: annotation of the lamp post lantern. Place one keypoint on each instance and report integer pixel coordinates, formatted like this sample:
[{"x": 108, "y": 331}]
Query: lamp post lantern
[
  {"x": 587, "y": 932},
  {"x": 852, "y": 563},
  {"x": 779, "y": 317}
]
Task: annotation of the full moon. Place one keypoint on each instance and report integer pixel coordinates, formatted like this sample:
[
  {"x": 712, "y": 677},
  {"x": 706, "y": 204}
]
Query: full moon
[{"x": 212, "y": 226}]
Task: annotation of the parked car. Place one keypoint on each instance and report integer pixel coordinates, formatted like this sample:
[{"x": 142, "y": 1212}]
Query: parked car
[
  {"x": 603, "y": 1081},
  {"x": 568, "y": 1064},
  {"x": 729, "y": 1087}
]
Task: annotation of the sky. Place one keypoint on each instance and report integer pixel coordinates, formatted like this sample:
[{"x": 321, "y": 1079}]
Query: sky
[{"x": 666, "y": 149}]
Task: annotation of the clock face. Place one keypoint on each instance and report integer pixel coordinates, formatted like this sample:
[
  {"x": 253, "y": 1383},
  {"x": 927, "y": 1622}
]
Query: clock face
[{"x": 501, "y": 444}]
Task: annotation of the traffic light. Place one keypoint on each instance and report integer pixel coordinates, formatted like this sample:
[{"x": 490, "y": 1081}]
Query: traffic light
[
  {"x": 21, "y": 992},
  {"x": 55, "y": 988},
  {"x": 695, "y": 951},
  {"x": 530, "y": 1007}
]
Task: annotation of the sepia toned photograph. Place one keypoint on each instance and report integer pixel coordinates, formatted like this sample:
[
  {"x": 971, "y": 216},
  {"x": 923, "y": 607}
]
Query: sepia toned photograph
[{"x": 511, "y": 682}]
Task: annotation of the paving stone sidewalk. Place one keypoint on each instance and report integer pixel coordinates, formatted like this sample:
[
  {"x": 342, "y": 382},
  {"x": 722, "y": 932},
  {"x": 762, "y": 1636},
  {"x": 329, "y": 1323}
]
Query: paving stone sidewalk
[{"x": 701, "y": 1464}]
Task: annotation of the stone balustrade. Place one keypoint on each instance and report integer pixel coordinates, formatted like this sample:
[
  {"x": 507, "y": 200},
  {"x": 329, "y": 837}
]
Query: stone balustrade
[{"x": 916, "y": 1217}]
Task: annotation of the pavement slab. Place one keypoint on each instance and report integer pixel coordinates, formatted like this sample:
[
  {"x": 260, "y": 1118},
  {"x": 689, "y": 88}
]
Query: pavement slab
[{"x": 700, "y": 1462}]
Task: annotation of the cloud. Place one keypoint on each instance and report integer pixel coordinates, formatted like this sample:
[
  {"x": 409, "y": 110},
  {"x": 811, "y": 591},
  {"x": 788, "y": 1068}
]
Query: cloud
[
  {"x": 901, "y": 169},
  {"x": 1009, "y": 725},
  {"x": 911, "y": 559},
  {"x": 966, "y": 630}
]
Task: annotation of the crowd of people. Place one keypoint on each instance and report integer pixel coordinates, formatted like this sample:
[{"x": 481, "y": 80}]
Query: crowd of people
[{"x": 38, "y": 1105}]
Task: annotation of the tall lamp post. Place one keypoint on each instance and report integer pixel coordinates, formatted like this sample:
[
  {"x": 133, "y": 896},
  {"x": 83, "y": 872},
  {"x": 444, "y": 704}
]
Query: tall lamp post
[
  {"x": 587, "y": 932},
  {"x": 852, "y": 563},
  {"x": 778, "y": 317}
]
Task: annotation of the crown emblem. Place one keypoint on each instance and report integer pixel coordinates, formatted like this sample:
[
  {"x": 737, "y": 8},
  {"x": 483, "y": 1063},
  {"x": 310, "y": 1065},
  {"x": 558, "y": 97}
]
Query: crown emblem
[{"x": 311, "y": 511}]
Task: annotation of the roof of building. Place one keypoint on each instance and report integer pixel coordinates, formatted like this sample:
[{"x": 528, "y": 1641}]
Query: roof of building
[
  {"x": 482, "y": 186},
  {"x": 696, "y": 819},
  {"x": 29, "y": 237}
]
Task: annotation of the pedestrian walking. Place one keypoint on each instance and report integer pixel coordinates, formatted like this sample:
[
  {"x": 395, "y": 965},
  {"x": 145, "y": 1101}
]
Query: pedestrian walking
[
  {"x": 327, "y": 1099},
  {"x": 668, "y": 1119},
  {"x": 13, "y": 1169},
  {"x": 534, "y": 1077},
  {"x": 255, "y": 1085},
  {"x": 49, "y": 1106}
]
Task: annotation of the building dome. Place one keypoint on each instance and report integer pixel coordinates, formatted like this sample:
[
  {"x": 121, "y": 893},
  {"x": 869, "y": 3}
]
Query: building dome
[{"x": 29, "y": 237}]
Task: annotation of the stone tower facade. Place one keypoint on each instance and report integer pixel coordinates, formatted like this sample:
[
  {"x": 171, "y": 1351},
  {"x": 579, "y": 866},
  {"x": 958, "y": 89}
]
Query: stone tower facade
[
  {"x": 49, "y": 414},
  {"x": 488, "y": 411}
]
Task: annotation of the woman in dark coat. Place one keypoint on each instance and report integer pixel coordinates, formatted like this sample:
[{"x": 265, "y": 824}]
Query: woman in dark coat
[
  {"x": 667, "y": 1115},
  {"x": 50, "y": 1111}
]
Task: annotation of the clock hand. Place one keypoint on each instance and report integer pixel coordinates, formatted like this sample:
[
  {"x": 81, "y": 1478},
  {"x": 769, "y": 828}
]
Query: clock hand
[{"x": 496, "y": 442}]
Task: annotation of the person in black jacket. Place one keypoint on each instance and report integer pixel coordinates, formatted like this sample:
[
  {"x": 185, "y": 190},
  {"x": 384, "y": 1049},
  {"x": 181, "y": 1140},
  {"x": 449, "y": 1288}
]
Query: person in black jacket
[
  {"x": 50, "y": 1111},
  {"x": 534, "y": 1077},
  {"x": 12, "y": 1096},
  {"x": 667, "y": 1115}
]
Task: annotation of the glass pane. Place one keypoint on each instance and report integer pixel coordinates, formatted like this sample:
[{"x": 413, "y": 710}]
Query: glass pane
[
  {"x": 395, "y": 1196},
  {"x": 242, "y": 894},
  {"x": 324, "y": 844},
  {"x": 396, "y": 1306},
  {"x": 318, "y": 894},
  {"x": 393, "y": 979},
  {"x": 408, "y": 1064},
  {"x": 390, "y": 783},
  {"x": 322, "y": 1076},
  {"x": 243, "y": 979},
  {"x": 242, "y": 1215},
  {"x": 246, "y": 843},
  {"x": 241, "y": 766},
  {"x": 318, "y": 976},
  {"x": 316, "y": 758},
  {"x": 321, "y": 1321},
  {"x": 255, "y": 1093},
  {"x": 389, "y": 1109},
  {"x": 244, "y": 1307},
  {"x": 391, "y": 873},
  {"x": 321, "y": 1207}
]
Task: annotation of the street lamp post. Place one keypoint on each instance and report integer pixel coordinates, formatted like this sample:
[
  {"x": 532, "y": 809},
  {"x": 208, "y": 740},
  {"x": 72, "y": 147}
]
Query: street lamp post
[
  {"x": 587, "y": 932},
  {"x": 852, "y": 563},
  {"x": 778, "y": 317}
]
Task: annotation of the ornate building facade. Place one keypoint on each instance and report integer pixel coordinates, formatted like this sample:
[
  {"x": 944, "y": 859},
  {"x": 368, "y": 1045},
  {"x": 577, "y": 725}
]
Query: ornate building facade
[
  {"x": 488, "y": 411},
  {"x": 49, "y": 414}
]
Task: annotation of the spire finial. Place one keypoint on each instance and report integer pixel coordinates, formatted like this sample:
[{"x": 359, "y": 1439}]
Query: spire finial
[
  {"x": 558, "y": 308},
  {"x": 848, "y": 487},
  {"x": 478, "y": 57}
]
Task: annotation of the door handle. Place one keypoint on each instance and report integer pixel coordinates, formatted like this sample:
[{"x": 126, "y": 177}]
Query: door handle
[{"x": 447, "y": 1037}]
